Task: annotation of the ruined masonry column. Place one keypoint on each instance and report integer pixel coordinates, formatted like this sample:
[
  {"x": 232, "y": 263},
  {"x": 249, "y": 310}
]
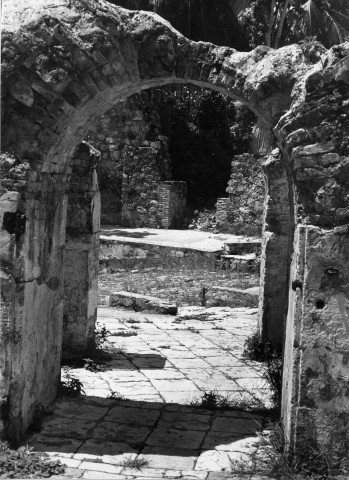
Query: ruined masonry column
[
  {"x": 315, "y": 400},
  {"x": 82, "y": 253},
  {"x": 316, "y": 391},
  {"x": 275, "y": 252}
]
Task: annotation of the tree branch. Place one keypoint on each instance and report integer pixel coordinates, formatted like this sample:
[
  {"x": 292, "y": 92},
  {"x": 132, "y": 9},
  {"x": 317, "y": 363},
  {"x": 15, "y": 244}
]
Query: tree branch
[
  {"x": 281, "y": 23},
  {"x": 270, "y": 25}
]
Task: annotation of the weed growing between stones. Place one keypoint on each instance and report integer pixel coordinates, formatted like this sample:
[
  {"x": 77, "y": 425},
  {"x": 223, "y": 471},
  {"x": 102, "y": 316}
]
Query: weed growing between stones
[
  {"x": 101, "y": 335},
  {"x": 25, "y": 463},
  {"x": 213, "y": 401},
  {"x": 71, "y": 386},
  {"x": 256, "y": 350},
  {"x": 116, "y": 396},
  {"x": 102, "y": 351},
  {"x": 135, "y": 463},
  {"x": 124, "y": 334},
  {"x": 272, "y": 459}
]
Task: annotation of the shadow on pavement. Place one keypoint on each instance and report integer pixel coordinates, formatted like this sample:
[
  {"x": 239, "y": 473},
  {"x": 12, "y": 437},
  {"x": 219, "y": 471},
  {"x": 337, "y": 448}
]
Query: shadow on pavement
[
  {"x": 104, "y": 426},
  {"x": 124, "y": 233}
]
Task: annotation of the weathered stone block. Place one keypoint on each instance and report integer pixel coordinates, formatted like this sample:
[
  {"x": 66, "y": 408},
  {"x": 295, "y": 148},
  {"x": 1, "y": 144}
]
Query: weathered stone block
[{"x": 140, "y": 302}]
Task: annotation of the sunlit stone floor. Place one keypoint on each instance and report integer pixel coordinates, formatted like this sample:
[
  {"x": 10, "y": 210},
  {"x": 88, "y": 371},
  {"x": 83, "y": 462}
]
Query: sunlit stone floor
[{"x": 154, "y": 378}]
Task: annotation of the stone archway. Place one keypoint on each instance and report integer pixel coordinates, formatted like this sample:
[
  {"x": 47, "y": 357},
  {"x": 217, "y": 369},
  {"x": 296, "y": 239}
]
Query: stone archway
[{"x": 66, "y": 64}]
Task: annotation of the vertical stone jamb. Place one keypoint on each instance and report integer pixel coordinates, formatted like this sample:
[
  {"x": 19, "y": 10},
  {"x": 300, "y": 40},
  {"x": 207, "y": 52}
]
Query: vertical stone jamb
[
  {"x": 82, "y": 254},
  {"x": 275, "y": 253}
]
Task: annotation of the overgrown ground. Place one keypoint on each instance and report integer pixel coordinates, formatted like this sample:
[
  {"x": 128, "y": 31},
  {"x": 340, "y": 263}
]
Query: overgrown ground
[{"x": 179, "y": 284}]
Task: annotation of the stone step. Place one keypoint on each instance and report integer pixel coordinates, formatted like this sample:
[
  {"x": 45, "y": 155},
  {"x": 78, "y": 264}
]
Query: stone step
[
  {"x": 237, "y": 296},
  {"x": 241, "y": 248},
  {"x": 239, "y": 263},
  {"x": 138, "y": 302}
]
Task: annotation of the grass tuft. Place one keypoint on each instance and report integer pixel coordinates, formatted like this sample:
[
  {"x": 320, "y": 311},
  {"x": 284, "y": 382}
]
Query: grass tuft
[{"x": 135, "y": 463}]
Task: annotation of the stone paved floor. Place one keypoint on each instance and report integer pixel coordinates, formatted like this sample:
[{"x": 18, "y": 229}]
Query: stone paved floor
[
  {"x": 158, "y": 371},
  {"x": 192, "y": 239}
]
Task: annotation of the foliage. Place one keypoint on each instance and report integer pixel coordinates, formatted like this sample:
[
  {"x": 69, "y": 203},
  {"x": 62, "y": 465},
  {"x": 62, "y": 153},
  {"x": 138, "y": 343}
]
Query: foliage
[
  {"x": 273, "y": 375},
  {"x": 213, "y": 401},
  {"x": 204, "y": 220},
  {"x": 328, "y": 20},
  {"x": 281, "y": 22},
  {"x": 101, "y": 335},
  {"x": 125, "y": 333},
  {"x": 273, "y": 23},
  {"x": 71, "y": 386},
  {"x": 25, "y": 463},
  {"x": 256, "y": 350},
  {"x": 274, "y": 458},
  {"x": 312, "y": 49},
  {"x": 207, "y": 130},
  {"x": 135, "y": 463}
]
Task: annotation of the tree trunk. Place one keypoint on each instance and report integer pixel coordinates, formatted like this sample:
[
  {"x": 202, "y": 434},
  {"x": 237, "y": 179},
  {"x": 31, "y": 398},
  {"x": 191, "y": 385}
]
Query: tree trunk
[
  {"x": 281, "y": 23},
  {"x": 270, "y": 25}
]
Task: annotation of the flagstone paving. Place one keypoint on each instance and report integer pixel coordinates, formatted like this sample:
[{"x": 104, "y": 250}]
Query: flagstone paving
[{"x": 141, "y": 405}]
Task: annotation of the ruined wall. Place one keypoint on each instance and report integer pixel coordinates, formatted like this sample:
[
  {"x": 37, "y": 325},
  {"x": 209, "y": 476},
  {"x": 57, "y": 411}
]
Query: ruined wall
[
  {"x": 242, "y": 212},
  {"x": 134, "y": 160},
  {"x": 316, "y": 373},
  {"x": 33, "y": 210},
  {"x": 81, "y": 253},
  {"x": 172, "y": 202},
  {"x": 65, "y": 65}
]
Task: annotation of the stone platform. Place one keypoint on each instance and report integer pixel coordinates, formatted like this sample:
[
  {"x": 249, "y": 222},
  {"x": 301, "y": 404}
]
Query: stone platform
[
  {"x": 144, "y": 403},
  {"x": 123, "y": 247}
]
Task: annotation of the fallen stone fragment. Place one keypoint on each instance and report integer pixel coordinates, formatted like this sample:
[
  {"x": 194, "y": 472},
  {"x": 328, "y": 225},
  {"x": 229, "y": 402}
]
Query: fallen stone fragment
[
  {"x": 242, "y": 297},
  {"x": 140, "y": 302}
]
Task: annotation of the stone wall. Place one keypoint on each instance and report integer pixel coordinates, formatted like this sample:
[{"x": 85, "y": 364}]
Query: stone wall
[
  {"x": 316, "y": 370},
  {"x": 242, "y": 212},
  {"x": 172, "y": 202},
  {"x": 135, "y": 160},
  {"x": 64, "y": 65},
  {"x": 116, "y": 255},
  {"x": 33, "y": 210}
]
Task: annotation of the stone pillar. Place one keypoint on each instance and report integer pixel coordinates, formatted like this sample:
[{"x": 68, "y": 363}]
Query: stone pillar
[
  {"x": 222, "y": 214},
  {"x": 315, "y": 404},
  {"x": 82, "y": 253},
  {"x": 9, "y": 214},
  {"x": 276, "y": 248},
  {"x": 32, "y": 250},
  {"x": 172, "y": 201}
]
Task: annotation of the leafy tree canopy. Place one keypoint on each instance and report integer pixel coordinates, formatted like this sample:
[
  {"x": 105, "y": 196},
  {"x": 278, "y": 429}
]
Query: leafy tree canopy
[
  {"x": 206, "y": 20},
  {"x": 281, "y": 22}
]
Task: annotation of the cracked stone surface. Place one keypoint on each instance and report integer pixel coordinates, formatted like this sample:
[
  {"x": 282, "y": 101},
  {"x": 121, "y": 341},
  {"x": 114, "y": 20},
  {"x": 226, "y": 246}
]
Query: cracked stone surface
[{"x": 139, "y": 406}]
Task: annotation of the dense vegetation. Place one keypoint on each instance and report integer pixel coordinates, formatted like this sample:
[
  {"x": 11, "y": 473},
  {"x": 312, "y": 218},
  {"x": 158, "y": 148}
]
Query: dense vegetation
[
  {"x": 244, "y": 24},
  {"x": 207, "y": 129}
]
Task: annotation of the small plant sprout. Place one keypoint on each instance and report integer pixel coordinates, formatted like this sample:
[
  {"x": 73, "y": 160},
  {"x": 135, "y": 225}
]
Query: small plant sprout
[
  {"x": 135, "y": 463},
  {"x": 71, "y": 386}
]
